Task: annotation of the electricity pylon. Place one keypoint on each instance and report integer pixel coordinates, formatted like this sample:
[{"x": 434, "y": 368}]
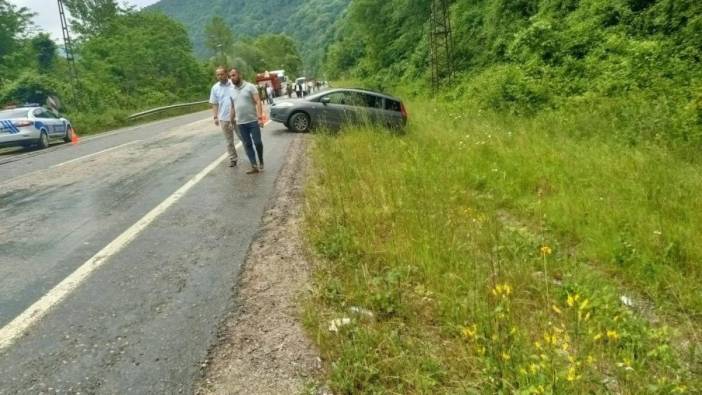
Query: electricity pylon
[{"x": 440, "y": 44}]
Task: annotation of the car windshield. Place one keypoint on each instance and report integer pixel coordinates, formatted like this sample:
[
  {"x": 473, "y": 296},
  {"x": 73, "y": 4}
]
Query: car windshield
[{"x": 15, "y": 113}]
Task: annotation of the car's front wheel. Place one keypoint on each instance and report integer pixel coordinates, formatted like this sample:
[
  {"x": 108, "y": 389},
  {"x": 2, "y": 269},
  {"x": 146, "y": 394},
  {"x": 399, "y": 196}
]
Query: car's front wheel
[
  {"x": 299, "y": 122},
  {"x": 43, "y": 140},
  {"x": 69, "y": 134}
]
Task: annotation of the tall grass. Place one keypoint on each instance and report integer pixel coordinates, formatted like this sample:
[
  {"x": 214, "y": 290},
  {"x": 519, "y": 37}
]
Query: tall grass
[{"x": 498, "y": 254}]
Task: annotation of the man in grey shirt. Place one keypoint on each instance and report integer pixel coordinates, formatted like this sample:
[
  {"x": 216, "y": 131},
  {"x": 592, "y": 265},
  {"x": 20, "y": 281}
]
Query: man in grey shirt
[{"x": 249, "y": 119}]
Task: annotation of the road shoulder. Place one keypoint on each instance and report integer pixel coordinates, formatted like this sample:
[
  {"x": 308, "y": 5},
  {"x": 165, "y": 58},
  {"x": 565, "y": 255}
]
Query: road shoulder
[{"x": 262, "y": 346}]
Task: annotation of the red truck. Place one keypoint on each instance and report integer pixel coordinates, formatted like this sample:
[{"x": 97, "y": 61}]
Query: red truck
[{"x": 265, "y": 79}]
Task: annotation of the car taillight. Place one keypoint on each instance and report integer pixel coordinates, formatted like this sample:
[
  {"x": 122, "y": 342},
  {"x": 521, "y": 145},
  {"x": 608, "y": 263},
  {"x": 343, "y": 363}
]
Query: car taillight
[
  {"x": 403, "y": 111},
  {"x": 21, "y": 124}
]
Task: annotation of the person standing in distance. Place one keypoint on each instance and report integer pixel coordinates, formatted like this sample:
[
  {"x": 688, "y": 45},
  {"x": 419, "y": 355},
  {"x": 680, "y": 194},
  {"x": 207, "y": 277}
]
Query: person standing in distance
[
  {"x": 269, "y": 94},
  {"x": 249, "y": 119},
  {"x": 221, "y": 99}
]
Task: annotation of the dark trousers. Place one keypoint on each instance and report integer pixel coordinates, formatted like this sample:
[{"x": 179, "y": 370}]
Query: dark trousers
[{"x": 251, "y": 136}]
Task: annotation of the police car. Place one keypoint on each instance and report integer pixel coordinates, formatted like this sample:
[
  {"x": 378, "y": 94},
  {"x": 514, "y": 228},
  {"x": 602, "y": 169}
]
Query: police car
[{"x": 32, "y": 126}]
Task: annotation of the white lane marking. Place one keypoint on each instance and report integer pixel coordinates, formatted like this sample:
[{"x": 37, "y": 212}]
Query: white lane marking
[
  {"x": 95, "y": 154},
  {"x": 10, "y": 332}
]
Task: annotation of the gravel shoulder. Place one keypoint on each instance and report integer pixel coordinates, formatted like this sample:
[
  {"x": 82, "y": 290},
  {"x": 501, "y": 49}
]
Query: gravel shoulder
[{"x": 262, "y": 347}]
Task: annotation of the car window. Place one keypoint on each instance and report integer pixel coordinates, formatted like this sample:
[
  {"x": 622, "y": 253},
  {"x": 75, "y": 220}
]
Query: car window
[
  {"x": 393, "y": 105},
  {"x": 50, "y": 114},
  {"x": 372, "y": 101},
  {"x": 344, "y": 98},
  {"x": 40, "y": 113},
  {"x": 14, "y": 113}
]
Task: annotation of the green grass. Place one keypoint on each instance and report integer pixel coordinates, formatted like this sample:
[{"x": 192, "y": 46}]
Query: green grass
[{"x": 494, "y": 253}]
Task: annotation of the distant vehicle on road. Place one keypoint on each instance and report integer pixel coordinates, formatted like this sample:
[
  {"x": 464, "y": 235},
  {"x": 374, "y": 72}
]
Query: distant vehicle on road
[
  {"x": 271, "y": 79},
  {"x": 337, "y": 107},
  {"x": 32, "y": 126}
]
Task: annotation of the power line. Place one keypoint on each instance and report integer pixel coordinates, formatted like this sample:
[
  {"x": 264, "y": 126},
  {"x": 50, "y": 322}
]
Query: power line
[{"x": 440, "y": 43}]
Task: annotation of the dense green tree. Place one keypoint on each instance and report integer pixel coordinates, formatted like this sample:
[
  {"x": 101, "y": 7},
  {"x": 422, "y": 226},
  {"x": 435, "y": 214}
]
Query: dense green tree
[
  {"x": 145, "y": 58},
  {"x": 219, "y": 35},
  {"x": 45, "y": 49},
  {"x": 14, "y": 24},
  {"x": 279, "y": 52},
  {"x": 90, "y": 17}
]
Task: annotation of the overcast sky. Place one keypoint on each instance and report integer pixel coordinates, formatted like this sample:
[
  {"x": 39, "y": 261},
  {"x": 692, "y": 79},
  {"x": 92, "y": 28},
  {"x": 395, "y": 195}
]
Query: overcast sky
[{"x": 47, "y": 18}]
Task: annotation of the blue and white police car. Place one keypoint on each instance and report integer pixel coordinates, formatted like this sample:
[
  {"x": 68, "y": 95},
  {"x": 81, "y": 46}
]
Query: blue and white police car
[{"x": 32, "y": 126}]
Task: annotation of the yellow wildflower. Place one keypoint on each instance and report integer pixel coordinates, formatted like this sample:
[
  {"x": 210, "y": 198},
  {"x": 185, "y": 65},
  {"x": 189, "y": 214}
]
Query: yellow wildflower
[
  {"x": 545, "y": 250},
  {"x": 550, "y": 338},
  {"x": 572, "y": 299},
  {"x": 505, "y": 356},
  {"x": 503, "y": 290},
  {"x": 584, "y": 304},
  {"x": 572, "y": 374},
  {"x": 533, "y": 368},
  {"x": 597, "y": 337},
  {"x": 583, "y": 318},
  {"x": 680, "y": 389},
  {"x": 469, "y": 332},
  {"x": 612, "y": 335}
]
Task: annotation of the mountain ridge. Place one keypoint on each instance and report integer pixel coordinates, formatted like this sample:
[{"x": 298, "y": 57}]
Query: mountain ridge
[{"x": 309, "y": 22}]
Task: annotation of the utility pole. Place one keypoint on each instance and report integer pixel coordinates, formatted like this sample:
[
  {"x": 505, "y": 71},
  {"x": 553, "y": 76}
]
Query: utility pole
[
  {"x": 68, "y": 47},
  {"x": 440, "y": 44}
]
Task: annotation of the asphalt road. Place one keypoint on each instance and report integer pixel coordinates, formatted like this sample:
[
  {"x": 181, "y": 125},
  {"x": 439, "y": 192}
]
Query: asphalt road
[{"x": 141, "y": 320}]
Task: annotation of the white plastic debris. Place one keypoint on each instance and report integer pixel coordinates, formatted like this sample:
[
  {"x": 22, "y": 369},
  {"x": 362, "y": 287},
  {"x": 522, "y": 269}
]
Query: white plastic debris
[
  {"x": 362, "y": 312},
  {"x": 626, "y": 301},
  {"x": 334, "y": 325}
]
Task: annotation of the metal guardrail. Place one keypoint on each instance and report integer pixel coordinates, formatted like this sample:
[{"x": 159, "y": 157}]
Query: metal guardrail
[{"x": 159, "y": 109}]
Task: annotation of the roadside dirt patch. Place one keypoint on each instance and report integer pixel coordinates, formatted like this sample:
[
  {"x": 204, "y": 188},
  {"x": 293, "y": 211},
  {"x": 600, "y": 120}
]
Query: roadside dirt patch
[{"x": 263, "y": 348}]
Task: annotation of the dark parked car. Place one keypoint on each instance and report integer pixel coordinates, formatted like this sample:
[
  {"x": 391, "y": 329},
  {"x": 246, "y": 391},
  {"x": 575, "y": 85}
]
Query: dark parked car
[{"x": 338, "y": 107}]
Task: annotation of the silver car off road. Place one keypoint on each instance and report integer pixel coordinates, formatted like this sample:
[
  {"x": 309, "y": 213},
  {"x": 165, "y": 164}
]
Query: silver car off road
[
  {"x": 32, "y": 126},
  {"x": 335, "y": 108}
]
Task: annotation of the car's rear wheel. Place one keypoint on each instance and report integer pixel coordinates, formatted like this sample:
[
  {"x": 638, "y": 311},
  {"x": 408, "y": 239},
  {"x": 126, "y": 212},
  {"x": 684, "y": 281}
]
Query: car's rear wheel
[
  {"x": 299, "y": 122},
  {"x": 69, "y": 134},
  {"x": 43, "y": 140}
]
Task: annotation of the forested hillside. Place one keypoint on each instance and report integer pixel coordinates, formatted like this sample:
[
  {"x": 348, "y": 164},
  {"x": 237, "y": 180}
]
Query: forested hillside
[
  {"x": 525, "y": 56},
  {"x": 309, "y": 22}
]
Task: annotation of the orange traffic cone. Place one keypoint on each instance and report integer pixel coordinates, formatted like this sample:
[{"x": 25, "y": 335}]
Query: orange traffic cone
[{"x": 74, "y": 136}]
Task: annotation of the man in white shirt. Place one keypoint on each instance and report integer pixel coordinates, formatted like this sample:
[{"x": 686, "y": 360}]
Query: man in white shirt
[{"x": 221, "y": 99}]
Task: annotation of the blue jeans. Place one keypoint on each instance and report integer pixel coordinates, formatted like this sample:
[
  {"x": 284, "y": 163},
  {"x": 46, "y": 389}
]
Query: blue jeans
[{"x": 251, "y": 136}]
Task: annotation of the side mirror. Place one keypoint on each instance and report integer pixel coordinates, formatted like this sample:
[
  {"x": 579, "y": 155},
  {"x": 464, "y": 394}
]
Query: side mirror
[{"x": 325, "y": 100}]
